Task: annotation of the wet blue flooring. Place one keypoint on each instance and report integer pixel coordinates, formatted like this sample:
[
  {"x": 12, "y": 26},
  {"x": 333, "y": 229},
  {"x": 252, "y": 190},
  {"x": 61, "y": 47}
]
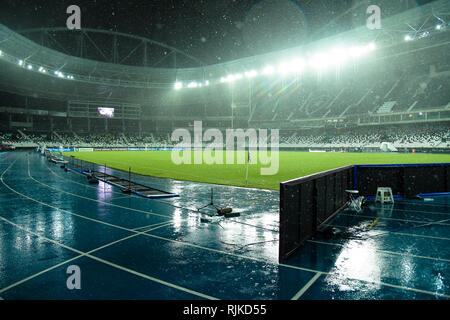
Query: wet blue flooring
[{"x": 128, "y": 247}]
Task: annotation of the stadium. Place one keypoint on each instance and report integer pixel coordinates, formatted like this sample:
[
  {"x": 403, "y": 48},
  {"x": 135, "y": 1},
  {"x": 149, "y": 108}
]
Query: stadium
[{"x": 317, "y": 172}]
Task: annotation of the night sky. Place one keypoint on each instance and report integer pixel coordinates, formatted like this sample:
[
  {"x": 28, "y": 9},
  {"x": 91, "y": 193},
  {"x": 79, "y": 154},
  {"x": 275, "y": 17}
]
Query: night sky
[{"x": 211, "y": 30}]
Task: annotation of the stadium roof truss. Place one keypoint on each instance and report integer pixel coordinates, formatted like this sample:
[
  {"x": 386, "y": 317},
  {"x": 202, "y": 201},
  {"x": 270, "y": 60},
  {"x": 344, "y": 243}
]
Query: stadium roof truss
[{"x": 75, "y": 62}]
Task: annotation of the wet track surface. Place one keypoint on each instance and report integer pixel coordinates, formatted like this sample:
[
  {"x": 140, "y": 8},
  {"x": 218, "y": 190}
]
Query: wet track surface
[{"x": 129, "y": 247}]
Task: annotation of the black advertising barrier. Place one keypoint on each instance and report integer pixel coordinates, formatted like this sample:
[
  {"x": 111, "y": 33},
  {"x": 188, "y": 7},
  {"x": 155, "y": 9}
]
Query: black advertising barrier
[
  {"x": 405, "y": 180},
  {"x": 308, "y": 202}
]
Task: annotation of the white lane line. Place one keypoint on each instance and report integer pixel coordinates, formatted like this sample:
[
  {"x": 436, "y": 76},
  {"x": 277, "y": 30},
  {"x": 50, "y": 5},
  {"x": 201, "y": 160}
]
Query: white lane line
[
  {"x": 387, "y": 232},
  {"x": 82, "y": 184},
  {"x": 130, "y": 195},
  {"x": 393, "y": 219},
  {"x": 306, "y": 286},
  {"x": 227, "y": 253},
  {"x": 56, "y": 208},
  {"x": 160, "y": 226},
  {"x": 151, "y": 225},
  {"x": 385, "y": 251},
  {"x": 139, "y": 274},
  {"x": 99, "y": 201},
  {"x": 66, "y": 261},
  {"x": 147, "y": 234}
]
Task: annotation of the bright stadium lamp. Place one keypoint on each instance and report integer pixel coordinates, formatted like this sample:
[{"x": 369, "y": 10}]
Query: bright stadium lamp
[
  {"x": 408, "y": 37},
  {"x": 338, "y": 56},
  {"x": 319, "y": 61},
  {"x": 30, "y": 67},
  {"x": 207, "y": 83},
  {"x": 283, "y": 68},
  {"x": 192, "y": 85},
  {"x": 355, "y": 52},
  {"x": 238, "y": 76},
  {"x": 372, "y": 46},
  {"x": 268, "y": 70},
  {"x": 298, "y": 65},
  {"x": 439, "y": 27},
  {"x": 229, "y": 78},
  {"x": 20, "y": 62},
  {"x": 178, "y": 85},
  {"x": 1, "y": 53},
  {"x": 251, "y": 73}
]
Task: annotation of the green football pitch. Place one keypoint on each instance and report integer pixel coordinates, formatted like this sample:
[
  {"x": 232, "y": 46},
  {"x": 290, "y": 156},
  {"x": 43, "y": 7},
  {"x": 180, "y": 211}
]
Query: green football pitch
[{"x": 290, "y": 165}]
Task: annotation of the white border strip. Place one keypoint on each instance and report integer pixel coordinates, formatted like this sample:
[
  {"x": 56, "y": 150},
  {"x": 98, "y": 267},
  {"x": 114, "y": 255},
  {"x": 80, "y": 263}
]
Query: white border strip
[{"x": 306, "y": 286}]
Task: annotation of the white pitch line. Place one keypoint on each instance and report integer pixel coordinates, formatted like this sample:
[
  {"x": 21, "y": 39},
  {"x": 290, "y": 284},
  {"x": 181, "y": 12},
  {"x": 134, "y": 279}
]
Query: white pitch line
[
  {"x": 385, "y": 251},
  {"x": 168, "y": 284},
  {"x": 306, "y": 286}
]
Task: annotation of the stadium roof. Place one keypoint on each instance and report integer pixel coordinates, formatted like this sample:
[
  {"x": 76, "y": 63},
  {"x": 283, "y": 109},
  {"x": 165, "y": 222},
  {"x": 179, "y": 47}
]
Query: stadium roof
[{"x": 22, "y": 52}]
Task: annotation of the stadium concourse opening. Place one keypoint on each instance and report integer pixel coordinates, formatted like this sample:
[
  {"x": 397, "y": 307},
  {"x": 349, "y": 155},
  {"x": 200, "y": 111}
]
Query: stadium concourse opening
[{"x": 93, "y": 205}]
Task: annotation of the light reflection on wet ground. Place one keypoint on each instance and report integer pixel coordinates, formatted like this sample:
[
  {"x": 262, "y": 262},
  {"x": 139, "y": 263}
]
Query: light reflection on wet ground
[{"x": 184, "y": 258}]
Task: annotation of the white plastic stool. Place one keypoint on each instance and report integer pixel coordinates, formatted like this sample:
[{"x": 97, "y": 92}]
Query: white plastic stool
[{"x": 384, "y": 194}]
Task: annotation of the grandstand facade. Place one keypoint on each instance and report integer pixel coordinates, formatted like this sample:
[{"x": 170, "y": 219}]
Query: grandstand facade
[{"x": 398, "y": 92}]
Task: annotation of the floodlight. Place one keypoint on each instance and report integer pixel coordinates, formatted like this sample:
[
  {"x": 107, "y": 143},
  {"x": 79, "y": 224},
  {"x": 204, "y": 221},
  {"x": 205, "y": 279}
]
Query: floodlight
[
  {"x": 30, "y": 67},
  {"x": 355, "y": 52},
  {"x": 338, "y": 56},
  {"x": 408, "y": 37},
  {"x": 319, "y": 61},
  {"x": 178, "y": 85},
  {"x": 229, "y": 78},
  {"x": 192, "y": 85},
  {"x": 251, "y": 73},
  {"x": 207, "y": 83},
  {"x": 372, "y": 46},
  {"x": 439, "y": 27},
  {"x": 268, "y": 70},
  {"x": 20, "y": 62},
  {"x": 1, "y": 53},
  {"x": 298, "y": 65},
  {"x": 283, "y": 68}
]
